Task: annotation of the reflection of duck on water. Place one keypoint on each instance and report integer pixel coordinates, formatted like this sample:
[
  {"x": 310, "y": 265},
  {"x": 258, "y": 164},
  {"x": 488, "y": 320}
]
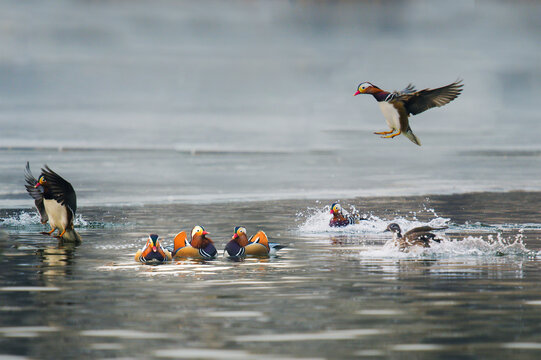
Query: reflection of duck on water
[
  {"x": 56, "y": 260},
  {"x": 341, "y": 220},
  {"x": 55, "y": 200},
  {"x": 419, "y": 236}
]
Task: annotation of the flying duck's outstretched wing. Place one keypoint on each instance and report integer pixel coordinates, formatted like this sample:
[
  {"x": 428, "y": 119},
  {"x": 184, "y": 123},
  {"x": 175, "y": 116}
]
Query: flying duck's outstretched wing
[
  {"x": 407, "y": 90},
  {"x": 61, "y": 189},
  {"x": 422, "y": 100},
  {"x": 422, "y": 229},
  {"x": 36, "y": 193}
]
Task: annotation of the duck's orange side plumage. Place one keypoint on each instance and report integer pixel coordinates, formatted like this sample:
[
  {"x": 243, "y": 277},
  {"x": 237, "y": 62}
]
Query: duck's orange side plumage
[
  {"x": 182, "y": 248},
  {"x": 258, "y": 245}
]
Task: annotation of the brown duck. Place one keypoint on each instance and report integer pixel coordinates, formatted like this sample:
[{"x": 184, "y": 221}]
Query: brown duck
[
  {"x": 419, "y": 236},
  {"x": 398, "y": 105}
]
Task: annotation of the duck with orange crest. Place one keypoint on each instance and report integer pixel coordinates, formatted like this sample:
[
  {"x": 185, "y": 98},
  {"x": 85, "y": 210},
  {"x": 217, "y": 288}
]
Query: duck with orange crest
[
  {"x": 153, "y": 252},
  {"x": 257, "y": 245},
  {"x": 340, "y": 220},
  {"x": 200, "y": 246}
]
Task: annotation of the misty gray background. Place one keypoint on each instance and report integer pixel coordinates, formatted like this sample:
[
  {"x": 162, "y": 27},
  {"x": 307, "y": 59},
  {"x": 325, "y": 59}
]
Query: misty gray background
[{"x": 212, "y": 101}]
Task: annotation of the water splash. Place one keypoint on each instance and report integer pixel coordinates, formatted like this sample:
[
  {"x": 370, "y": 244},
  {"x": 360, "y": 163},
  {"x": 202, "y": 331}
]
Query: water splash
[
  {"x": 467, "y": 247},
  {"x": 25, "y": 220},
  {"x": 316, "y": 221},
  {"x": 20, "y": 220}
]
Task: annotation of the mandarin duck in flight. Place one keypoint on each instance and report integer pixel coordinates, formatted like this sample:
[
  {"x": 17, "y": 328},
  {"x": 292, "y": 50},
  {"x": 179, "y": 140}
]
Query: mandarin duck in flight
[
  {"x": 419, "y": 236},
  {"x": 55, "y": 200},
  {"x": 398, "y": 105},
  {"x": 200, "y": 247},
  {"x": 153, "y": 252},
  {"x": 258, "y": 245},
  {"x": 340, "y": 220}
]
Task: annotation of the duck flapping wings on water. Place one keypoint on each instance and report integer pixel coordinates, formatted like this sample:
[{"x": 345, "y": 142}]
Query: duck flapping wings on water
[
  {"x": 55, "y": 201},
  {"x": 419, "y": 236}
]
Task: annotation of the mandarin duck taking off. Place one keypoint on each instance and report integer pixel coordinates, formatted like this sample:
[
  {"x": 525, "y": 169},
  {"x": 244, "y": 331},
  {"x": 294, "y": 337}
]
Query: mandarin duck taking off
[
  {"x": 419, "y": 236},
  {"x": 258, "y": 245},
  {"x": 341, "y": 220},
  {"x": 200, "y": 247},
  {"x": 153, "y": 252},
  {"x": 55, "y": 200},
  {"x": 397, "y": 106}
]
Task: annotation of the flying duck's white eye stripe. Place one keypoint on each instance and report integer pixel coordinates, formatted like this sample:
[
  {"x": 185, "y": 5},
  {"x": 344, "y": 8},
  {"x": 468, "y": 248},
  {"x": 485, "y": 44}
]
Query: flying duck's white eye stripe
[
  {"x": 241, "y": 230},
  {"x": 364, "y": 86}
]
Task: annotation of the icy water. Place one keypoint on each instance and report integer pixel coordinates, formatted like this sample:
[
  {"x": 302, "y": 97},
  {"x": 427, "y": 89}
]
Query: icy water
[
  {"x": 168, "y": 114},
  {"x": 330, "y": 294}
]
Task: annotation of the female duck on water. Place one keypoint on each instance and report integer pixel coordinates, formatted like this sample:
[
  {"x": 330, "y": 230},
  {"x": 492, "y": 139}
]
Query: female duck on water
[{"x": 419, "y": 236}]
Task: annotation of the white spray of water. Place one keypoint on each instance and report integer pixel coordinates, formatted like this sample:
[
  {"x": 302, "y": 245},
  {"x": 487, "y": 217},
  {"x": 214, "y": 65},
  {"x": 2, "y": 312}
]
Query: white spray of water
[
  {"x": 317, "y": 222},
  {"x": 467, "y": 247}
]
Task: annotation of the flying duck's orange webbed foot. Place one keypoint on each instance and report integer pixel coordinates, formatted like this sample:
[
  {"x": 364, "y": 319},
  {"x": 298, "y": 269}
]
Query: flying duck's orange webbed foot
[
  {"x": 62, "y": 233},
  {"x": 383, "y": 132},
  {"x": 392, "y": 135}
]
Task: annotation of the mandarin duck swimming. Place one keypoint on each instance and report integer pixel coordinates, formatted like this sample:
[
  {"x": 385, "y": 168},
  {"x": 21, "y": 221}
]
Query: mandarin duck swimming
[
  {"x": 419, "y": 236},
  {"x": 257, "y": 245},
  {"x": 153, "y": 252},
  {"x": 200, "y": 246},
  {"x": 341, "y": 220},
  {"x": 55, "y": 200},
  {"x": 398, "y": 105}
]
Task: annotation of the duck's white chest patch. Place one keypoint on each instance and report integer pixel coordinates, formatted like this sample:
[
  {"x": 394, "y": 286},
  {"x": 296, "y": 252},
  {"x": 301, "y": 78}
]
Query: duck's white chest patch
[
  {"x": 58, "y": 214},
  {"x": 391, "y": 115}
]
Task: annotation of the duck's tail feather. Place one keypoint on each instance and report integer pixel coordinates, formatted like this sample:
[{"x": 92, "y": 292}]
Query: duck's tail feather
[
  {"x": 410, "y": 135},
  {"x": 276, "y": 246},
  {"x": 71, "y": 236}
]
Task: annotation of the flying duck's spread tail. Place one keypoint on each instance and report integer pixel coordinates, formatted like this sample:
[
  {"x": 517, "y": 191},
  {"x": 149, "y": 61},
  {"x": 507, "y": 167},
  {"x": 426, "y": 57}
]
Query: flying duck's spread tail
[{"x": 410, "y": 135}]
